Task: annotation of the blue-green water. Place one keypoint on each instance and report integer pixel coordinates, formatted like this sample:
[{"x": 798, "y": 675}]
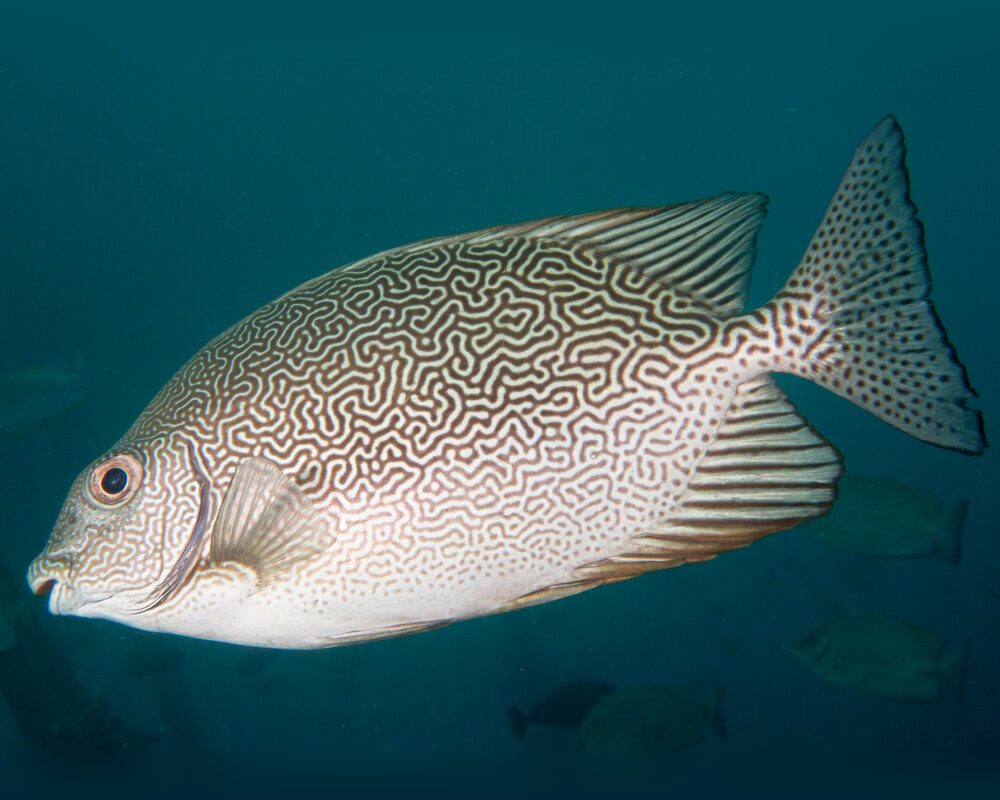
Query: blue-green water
[{"x": 166, "y": 168}]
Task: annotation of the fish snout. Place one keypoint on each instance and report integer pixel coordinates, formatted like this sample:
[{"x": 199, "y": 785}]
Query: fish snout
[{"x": 47, "y": 575}]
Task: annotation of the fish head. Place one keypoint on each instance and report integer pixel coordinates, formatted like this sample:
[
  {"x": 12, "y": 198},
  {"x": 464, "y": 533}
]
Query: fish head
[
  {"x": 129, "y": 533},
  {"x": 811, "y": 648}
]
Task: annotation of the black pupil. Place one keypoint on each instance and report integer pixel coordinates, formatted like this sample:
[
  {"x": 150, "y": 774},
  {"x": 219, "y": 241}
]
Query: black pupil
[{"x": 114, "y": 481}]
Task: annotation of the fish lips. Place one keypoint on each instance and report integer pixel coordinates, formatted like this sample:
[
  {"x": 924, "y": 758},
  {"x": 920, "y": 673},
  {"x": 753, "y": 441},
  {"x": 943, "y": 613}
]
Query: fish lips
[
  {"x": 46, "y": 574},
  {"x": 43, "y": 584},
  {"x": 49, "y": 575}
]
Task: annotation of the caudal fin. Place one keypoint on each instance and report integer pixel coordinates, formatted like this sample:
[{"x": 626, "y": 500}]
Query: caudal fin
[
  {"x": 518, "y": 721},
  {"x": 856, "y": 316},
  {"x": 712, "y": 711},
  {"x": 955, "y": 666},
  {"x": 950, "y": 535}
]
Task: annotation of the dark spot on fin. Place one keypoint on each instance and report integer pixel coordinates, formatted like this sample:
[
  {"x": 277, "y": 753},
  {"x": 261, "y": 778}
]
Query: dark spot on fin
[{"x": 265, "y": 522}]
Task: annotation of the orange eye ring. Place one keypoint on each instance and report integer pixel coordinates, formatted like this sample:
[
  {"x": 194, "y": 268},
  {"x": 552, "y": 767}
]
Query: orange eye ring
[{"x": 115, "y": 480}]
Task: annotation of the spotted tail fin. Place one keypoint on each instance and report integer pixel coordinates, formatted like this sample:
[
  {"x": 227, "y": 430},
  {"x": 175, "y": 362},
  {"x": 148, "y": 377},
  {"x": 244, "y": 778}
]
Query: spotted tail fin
[{"x": 856, "y": 316}]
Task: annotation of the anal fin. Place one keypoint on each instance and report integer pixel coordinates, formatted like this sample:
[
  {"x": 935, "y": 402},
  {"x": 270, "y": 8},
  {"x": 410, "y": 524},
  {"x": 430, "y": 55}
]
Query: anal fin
[{"x": 767, "y": 471}]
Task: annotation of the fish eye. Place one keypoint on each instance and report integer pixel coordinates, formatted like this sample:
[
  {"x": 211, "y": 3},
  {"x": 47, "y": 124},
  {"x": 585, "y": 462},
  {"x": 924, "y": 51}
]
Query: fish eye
[{"x": 115, "y": 480}]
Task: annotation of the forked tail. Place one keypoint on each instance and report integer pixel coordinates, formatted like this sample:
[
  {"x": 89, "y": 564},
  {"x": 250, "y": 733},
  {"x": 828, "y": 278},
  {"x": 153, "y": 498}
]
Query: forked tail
[{"x": 856, "y": 316}]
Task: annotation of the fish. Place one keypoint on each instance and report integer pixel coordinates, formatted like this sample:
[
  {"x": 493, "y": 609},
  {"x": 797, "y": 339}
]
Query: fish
[
  {"x": 564, "y": 708},
  {"x": 270, "y": 682},
  {"x": 482, "y": 422},
  {"x": 261, "y": 667},
  {"x": 879, "y": 517},
  {"x": 51, "y": 709},
  {"x": 885, "y": 657},
  {"x": 32, "y": 396},
  {"x": 15, "y": 613},
  {"x": 256, "y": 662},
  {"x": 652, "y": 719},
  {"x": 159, "y": 666},
  {"x": 8, "y": 631}
]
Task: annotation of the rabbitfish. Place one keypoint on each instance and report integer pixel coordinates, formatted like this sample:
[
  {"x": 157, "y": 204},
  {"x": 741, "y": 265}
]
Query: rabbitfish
[
  {"x": 884, "y": 518},
  {"x": 479, "y": 422},
  {"x": 651, "y": 719},
  {"x": 33, "y": 395},
  {"x": 883, "y": 656},
  {"x": 564, "y": 708}
]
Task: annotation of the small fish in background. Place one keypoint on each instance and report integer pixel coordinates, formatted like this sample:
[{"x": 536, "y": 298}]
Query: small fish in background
[
  {"x": 261, "y": 666},
  {"x": 652, "y": 719},
  {"x": 15, "y": 614},
  {"x": 53, "y": 711},
  {"x": 159, "y": 665},
  {"x": 254, "y": 662},
  {"x": 884, "y": 657},
  {"x": 31, "y": 396},
  {"x": 564, "y": 708},
  {"x": 271, "y": 682},
  {"x": 882, "y": 518}
]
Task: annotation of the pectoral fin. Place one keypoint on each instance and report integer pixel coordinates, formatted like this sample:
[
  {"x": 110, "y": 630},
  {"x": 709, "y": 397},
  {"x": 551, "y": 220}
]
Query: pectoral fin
[{"x": 265, "y": 522}]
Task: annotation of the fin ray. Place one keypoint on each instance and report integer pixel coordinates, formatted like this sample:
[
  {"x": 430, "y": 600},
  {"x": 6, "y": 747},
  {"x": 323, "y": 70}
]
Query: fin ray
[
  {"x": 768, "y": 471},
  {"x": 265, "y": 522},
  {"x": 705, "y": 248},
  {"x": 864, "y": 280}
]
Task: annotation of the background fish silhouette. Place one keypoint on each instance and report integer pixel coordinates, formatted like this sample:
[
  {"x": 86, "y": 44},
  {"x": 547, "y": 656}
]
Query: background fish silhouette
[
  {"x": 33, "y": 395},
  {"x": 884, "y": 518},
  {"x": 652, "y": 720},
  {"x": 885, "y": 657},
  {"x": 564, "y": 708}
]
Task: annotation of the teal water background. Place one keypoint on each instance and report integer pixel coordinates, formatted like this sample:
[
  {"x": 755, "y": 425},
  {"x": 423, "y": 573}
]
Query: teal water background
[{"x": 166, "y": 168}]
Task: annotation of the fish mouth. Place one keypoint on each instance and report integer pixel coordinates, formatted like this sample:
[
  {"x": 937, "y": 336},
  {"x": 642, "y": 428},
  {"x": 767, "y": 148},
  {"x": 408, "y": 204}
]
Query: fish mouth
[
  {"x": 41, "y": 586},
  {"x": 62, "y": 599},
  {"x": 44, "y": 578}
]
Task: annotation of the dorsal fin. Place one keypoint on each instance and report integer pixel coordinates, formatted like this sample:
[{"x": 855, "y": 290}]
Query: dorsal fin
[{"x": 705, "y": 248}]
